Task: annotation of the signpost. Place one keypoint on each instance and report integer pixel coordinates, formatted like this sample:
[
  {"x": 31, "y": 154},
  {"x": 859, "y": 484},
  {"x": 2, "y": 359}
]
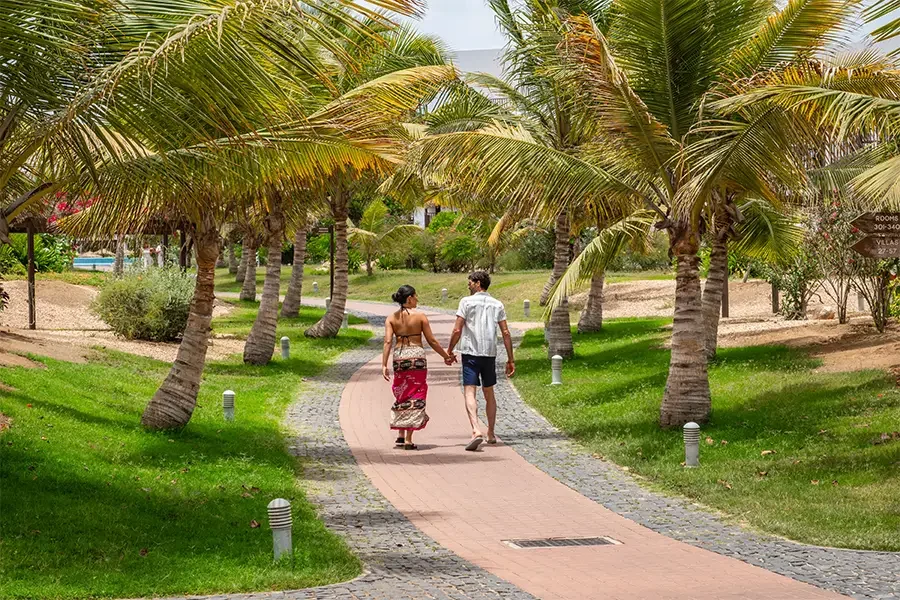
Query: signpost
[{"x": 885, "y": 239}]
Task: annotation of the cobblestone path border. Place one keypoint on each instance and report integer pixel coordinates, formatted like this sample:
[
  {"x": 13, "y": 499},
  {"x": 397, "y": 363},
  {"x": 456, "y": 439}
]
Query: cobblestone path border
[{"x": 859, "y": 574}]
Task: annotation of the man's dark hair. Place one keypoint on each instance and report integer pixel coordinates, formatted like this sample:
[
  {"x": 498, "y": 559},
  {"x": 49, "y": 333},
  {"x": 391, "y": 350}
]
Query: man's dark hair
[{"x": 483, "y": 279}]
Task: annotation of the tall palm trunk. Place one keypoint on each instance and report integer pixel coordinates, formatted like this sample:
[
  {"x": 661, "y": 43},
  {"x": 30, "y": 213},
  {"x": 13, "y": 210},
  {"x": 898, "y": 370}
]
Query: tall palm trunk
[
  {"x": 560, "y": 256},
  {"x": 591, "y": 318},
  {"x": 687, "y": 387},
  {"x": 291, "y": 305},
  {"x": 716, "y": 281},
  {"x": 369, "y": 271},
  {"x": 559, "y": 331},
  {"x": 119, "y": 263},
  {"x": 242, "y": 266},
  {"x": 330, "y": 324},
  {"x": 174, "y": 401},
  {"x": 260, "y": 343},
  {"x": 248, "y": 290},
  {"x": 232, "y": 260}
]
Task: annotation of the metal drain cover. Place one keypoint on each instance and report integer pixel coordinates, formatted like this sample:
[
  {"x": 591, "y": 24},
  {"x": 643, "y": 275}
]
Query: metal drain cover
[{"x": 561, "y": 542}]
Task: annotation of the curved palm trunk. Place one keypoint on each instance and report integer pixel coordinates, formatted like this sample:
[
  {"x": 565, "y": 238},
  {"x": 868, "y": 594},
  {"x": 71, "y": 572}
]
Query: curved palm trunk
[
  {"x": 292, "y": 298},
  {"x": 260, "y": 343},
  {"x": 119, "y": 263},
  {"x": 242, "y": 266},
  {"x": 232, "y": 260},
  {"x": 559, "y": 331},
  {"x": 330, "y": 324},
  {"x": 369, "y": 271},
  {"x": 560, "y": 256},
  {"x": 687, "y": 387},
  {"x": 248, "y": 290},
  {"x": 591, "y": 318},
  {"x": 174, "y": 401},
  {"x": 712, "y": 294}
]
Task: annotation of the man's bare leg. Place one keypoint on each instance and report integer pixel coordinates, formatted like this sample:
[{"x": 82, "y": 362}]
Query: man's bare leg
[
  {"x": 472, "y": 408},
  {"x": 491, "y": 409}
]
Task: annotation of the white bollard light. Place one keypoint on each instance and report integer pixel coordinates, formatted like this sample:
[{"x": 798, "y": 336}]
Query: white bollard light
[
  {"x": 280, "y": 521},
  {"x": 527, "y": 306},
  {"x": 285, "y": 347},
  {"x": 345, "y": 323},
  {"x": 315, "y": 287},
  {"x": 691, "y": 445},
  {"x": 861, "y": 305},
  {"x": 327, "y": 303},
  {"x": 556, "y": 368},
  {"x": 443, "y": 295},
  {"x": 228, "y": 405}
]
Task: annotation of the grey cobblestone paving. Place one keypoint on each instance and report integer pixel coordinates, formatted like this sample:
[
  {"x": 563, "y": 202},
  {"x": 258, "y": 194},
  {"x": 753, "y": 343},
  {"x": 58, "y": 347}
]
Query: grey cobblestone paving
[{"x": 859, "y": 574}]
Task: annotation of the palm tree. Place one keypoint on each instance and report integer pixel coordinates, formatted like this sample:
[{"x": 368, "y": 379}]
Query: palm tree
[
  {"x": 248, "y": 262},
  {"x": 374, "y": 232},
  {"x": 260, "y": 344},
  {"x": 644, "y": 85},
  {"x": 290, "y": 308}
]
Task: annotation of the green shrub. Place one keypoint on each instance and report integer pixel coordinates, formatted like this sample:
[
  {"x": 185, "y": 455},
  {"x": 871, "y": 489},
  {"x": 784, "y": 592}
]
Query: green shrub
[
  {"x": 458, "y": 252},
  {"x": 148, "y": 305},
  {"x": 52, "y": 254},
  {"x": 536, "y": 250},
  {"x": 317, "y": 248}
]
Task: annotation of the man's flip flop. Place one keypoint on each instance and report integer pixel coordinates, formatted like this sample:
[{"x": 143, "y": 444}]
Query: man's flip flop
[
  {"x": 492, "y": 441},
  {"x": 400, "y": 441},
  {"x": 473, "y": 445}
]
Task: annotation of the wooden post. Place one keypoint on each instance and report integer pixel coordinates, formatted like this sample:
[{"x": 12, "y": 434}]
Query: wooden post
[
  {"x": 331, "y": 285},
  {"x": 775, "y": 307},
  {"x": 725, "y": 297},
  {"x": 32, "y": 315}
]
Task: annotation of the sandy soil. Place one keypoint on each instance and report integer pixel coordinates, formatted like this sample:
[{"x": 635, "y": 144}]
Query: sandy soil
[{"x": 67, "y": 329}]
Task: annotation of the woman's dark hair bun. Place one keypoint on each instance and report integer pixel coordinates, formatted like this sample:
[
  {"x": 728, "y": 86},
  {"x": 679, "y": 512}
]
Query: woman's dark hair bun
[{"x": 402, "y": 294}]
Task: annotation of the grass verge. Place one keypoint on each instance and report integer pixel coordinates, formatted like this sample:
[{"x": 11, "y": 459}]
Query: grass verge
[
  {"x": 510, "y": 287},
  {"x": 95, "y": 507},
  {"x": 788, "y": 450}
]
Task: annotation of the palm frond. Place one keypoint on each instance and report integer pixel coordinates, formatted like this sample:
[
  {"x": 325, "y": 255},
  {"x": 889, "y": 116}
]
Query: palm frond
[{"x": 766, "y": 232}]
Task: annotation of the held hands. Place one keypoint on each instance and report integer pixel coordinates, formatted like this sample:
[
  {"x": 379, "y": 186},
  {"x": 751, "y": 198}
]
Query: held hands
[{"x": 451, "y": 358}]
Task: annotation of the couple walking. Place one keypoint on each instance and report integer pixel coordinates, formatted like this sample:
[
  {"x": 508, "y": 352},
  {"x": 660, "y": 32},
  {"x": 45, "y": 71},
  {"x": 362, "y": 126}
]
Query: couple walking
[{"x": 477, "y": 320}]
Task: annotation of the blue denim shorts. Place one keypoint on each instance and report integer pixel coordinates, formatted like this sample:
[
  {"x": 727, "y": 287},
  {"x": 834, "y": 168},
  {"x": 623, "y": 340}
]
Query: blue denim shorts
[{"x": 479, "y": 370}]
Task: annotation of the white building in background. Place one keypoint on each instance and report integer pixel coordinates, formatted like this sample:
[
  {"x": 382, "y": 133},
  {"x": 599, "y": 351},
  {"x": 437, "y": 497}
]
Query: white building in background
[{"x": 467, "y": 61}]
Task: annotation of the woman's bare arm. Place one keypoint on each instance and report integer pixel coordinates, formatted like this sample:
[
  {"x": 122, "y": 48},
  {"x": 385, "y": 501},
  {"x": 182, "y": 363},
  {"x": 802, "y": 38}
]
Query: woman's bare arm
[
  {"x": 388, "y": 344},
  {"x": 429, "y": 337}
]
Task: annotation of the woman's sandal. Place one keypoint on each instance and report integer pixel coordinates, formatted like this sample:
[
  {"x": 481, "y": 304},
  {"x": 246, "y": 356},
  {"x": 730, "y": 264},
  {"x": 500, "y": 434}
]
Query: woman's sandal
[{"x": 410, "y": 447}]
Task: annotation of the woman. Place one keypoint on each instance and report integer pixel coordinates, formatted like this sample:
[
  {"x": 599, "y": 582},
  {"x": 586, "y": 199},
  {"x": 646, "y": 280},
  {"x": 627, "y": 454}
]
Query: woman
[{"x": 410, "y": 368}]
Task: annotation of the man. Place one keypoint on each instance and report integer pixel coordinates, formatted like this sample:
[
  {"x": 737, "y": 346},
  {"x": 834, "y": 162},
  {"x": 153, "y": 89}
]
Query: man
[{"x": 477, "y": 320}]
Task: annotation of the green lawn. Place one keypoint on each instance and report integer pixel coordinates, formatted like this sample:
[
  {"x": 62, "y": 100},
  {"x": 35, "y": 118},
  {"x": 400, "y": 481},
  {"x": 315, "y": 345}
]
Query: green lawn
[
  {"x": 95, "y": 278},
  {"x": 830, "y": 480},
  {"x": 95, "y": 507},
  {"x": 510, "y": 287}
]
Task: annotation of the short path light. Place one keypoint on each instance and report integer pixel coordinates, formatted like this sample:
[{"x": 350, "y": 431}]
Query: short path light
[
  {"x": 691, "y": 445},
  {"x": 443, "y": 295},
  {"x": 285, "y": 347},
  {"x": 527, "y": 306},
  {"x": 345, "y": 323},
  {"x": 228, "y": 405},
  {"x": 327, "y": 303},
  {"x": 556, "y": 368},
  {"x": 315, "y": 287},
  {"x": 280, "y": 521}
]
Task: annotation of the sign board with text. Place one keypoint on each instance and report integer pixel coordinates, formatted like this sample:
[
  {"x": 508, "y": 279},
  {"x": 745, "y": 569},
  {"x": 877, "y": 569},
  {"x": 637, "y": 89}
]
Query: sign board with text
[
  {"x": 878, "y": 223},
  {"x": 884, "y": 239},
  {"x": 879, "y": 247}
]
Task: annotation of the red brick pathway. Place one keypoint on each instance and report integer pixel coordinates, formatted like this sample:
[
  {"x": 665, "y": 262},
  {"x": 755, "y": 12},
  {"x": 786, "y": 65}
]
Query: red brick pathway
[{"x": 470, "y": 502}]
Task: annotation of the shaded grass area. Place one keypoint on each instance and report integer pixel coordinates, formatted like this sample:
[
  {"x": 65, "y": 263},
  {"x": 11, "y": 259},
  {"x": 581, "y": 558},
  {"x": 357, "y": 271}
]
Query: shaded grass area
[
  {"x": 512, "y": 288},
  {"x": 93, "y": 506},
  {"x": 830, "y": 480},
  {"x": 239, "y": 321}
]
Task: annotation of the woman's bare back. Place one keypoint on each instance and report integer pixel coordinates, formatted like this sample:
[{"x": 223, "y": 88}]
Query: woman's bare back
[{"x": 407, "y": 326}]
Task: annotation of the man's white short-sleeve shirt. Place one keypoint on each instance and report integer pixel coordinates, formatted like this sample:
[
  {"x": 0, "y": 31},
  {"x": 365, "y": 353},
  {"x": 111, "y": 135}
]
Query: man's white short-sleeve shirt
[{"x": 482, "y": 312}]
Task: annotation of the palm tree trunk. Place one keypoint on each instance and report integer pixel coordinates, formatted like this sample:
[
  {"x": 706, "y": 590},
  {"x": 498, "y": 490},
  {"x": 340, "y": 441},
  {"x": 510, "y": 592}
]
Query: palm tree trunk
[
  {"x": 291, "y": 306},
  {"x": 591, "y": 318},
  {"x": 559, "y": 331},
  {"x": 242, "y": 266},
  {"x": 232, "y": 260},
  {"x": 369, "y": 270},
  {"x": 330, "y": 324},
  {"x": 560, "y": 256},
  {"x": 687, "y": 387},
  {"x": 248, "y": 290},
  {"x": 260, "y": 343},
  {"x": 119, "y": 263},
  {"x": 174, "y": 401},
  {"x": 712, "y": 293}
]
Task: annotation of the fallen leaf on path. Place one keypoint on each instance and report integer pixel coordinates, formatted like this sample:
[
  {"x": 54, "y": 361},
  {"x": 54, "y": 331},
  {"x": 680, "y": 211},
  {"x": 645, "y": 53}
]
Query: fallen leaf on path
[
  {"x": 254, "y": 524},
  {"x": 710, "y": 441},
  {"x": 29, "y": 406},
  {"x": 246, "y": 495},
  {"x": 762, "y": 473},
  {"x": 834, "y": 482},
  {"x": 821, "y": 431},
  {"x": 814, "y": 482},
  {"x": 767, "y": 452},
  {"x": 724, "y": 483},
  {"x": 144, "y": 552},
  {"x": 724, "y": 442}
]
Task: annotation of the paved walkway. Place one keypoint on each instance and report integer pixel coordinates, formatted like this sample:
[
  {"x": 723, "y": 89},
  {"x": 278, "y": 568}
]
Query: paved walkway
[{"x": 471, "y": 503}]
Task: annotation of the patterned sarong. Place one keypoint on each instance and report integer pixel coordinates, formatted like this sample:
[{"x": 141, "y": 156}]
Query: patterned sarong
[{"x": 410, "y": 388}]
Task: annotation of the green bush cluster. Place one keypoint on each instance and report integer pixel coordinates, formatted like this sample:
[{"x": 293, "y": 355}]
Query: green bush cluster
[
  {"x": 52, "y": 254},
  {"x": 150, "y": 305}
]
